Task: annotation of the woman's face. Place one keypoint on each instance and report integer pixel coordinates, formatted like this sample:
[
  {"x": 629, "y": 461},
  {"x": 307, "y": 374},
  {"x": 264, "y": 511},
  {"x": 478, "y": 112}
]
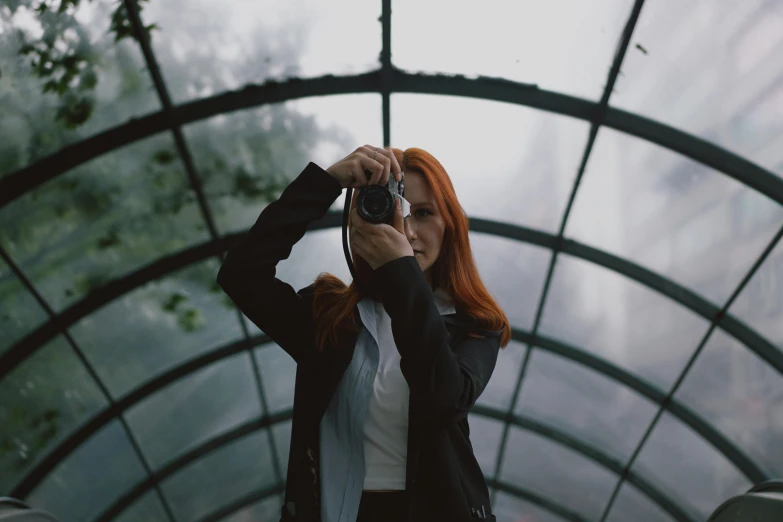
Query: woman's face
[{"x": 424, "y": 226}]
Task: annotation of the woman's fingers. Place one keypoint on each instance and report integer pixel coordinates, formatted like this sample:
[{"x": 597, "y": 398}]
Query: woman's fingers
[{"x": 388, "y": 160}]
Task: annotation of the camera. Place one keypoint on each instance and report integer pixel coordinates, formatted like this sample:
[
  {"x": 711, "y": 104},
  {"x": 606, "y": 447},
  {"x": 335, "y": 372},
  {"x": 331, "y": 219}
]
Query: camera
[{"x": 375, "y": 203}]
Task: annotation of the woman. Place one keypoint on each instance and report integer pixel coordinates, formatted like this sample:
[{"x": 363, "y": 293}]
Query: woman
[{"x": 387, "y": 367}]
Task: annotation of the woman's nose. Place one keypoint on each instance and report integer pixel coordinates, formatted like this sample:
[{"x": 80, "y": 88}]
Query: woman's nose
[{"x": 409, "y": 229}]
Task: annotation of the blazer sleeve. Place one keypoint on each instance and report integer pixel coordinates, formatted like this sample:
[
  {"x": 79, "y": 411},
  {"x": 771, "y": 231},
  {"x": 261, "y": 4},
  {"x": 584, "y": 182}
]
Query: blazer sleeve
[
  {"x": 247, "y": 275},
  {"x": 445, "y": 381}
]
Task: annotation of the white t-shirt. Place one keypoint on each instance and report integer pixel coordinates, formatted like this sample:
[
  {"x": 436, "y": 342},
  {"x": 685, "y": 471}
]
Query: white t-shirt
[{"x": 386, "y": 426}]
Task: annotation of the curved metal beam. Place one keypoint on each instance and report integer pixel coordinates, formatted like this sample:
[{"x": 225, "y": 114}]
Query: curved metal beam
[
  {"x": 255, "y": 425},
  {"x": 59, "y": 453},
  {"x": 14, "y": 185},
  {"x": 114, "y": 289}
]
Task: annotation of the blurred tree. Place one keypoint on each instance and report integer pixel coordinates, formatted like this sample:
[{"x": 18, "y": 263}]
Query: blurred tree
[{"x": 70, "y": 71}]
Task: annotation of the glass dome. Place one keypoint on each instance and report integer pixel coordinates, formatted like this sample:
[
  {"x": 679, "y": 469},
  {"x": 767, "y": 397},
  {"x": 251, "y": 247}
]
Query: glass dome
[{"x": 621, "y": 164}]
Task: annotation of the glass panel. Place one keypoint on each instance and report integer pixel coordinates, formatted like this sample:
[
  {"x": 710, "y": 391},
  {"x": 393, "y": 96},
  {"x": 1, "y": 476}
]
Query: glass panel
[
  {"x": 672, "y": 215},
  {"x": 146, "y": 509},
  {"x": 485, "y": 435},
  {"x": 580, "y": 401},
  {"x": 246, "y": 159},
  {"x": 302, "y": 267},
  {"x": 500, "y": 389},
  {"x": 102, "y": 220},
  {"x": 508, "y": 508},
  {"x": 687, "y": 469},
  {"x": 741, "y": 395},
  {"x": 759, "y": 305},
  {"x": 265, "y": 511},
  {"x": 194, "y": 409},
  {"x": 282, "y": 435},
  {"x": 712, "y": 69},
  {"x": 21, "y": 312},
  {"x": 514, "y": 274},
  {"x": 278, "y": 377},
  {"x": 563, "y": 46},
  {"x": 92, "y": 478},
  {"x": 222, "y": 476},
  {"x": 547, "y": 468},
  {"x": 152, "y": 329},
  {"x": 631, "y": 504},
  {"x": 620, "y": 320},
  {"x": 217, "y": 48},
  {"x": 86, "y": 83},
  {"x": 535, "y": 155},
  {"x": 43, "y": 400}
]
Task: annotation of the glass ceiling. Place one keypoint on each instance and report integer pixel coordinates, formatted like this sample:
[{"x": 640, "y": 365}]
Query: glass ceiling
[{"x": 621, "y": 163}]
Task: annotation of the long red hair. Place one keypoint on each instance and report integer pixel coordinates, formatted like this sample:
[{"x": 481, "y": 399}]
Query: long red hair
[{"x": 455, "y": 270}]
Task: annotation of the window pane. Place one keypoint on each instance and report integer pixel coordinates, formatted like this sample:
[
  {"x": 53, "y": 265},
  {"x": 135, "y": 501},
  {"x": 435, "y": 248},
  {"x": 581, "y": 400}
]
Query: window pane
[
  {"x": 742, "y": 396},
  {"x": 92, "y": 478},
  {"x": 631, "y": 504},
  {"x": 105, "y": 83},
  {"x": 221, "y": 477},
  {"x": 302, "y": 267},
  {"x": 102, "y": 220},
  {"x": 554, "y": 471},
  {"x": 278, "y": 377},
  {"x": 620, "y": 320},
  {"x": 146, "y": 509},
  {"x": 21, "y": 312},
  {"x": 500, "y": 389},
  {"x": 150, "y": 330},
  {"x": 577, "y": 400},
  {"x": 485, "y": 434},
  {"x": 265, "y": 511},
  {"x": 213, "y": 48},
  {"x": 688, "y": 469},
  {"x": 760, "y": 304},
  {"x": 514, "y": 274},
  {"x": 672, "y": 215},
  {"x": 712, "y": 69},
  {"x": 511, "y": 509},
  {"x": 194, "y": 409},
  {"x": 507, "y": 162},
  {"x": 246, "y": 159},
  {"x": 42, "y": 401},
  {"x": 564, "y": 46},
  {"x": 282, "y": 435}
]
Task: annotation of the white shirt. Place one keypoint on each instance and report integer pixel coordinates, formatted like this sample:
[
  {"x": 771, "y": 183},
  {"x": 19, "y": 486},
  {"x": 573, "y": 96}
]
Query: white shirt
[{"x": 386, "y": 424}]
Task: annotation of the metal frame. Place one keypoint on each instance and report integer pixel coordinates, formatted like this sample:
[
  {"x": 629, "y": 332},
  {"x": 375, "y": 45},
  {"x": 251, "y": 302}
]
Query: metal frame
[
  {"x": 33, "y": 341},
  {"x": 385, "y": 81},
  {"x": 580, "y": 356}
]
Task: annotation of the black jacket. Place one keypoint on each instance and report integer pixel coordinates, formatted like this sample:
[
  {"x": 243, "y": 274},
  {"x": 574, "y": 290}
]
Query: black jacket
[{"x": 446, "y": 369}]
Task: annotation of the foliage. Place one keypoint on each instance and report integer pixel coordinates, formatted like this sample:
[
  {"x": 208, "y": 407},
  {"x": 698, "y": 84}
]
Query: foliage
[
  {"x": 118, "y": 212},
  {"x": 65, "y": 58}
]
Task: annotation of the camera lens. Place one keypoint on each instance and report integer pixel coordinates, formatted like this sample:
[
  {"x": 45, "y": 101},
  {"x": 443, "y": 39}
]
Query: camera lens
[{"x": 375, "y": 204}]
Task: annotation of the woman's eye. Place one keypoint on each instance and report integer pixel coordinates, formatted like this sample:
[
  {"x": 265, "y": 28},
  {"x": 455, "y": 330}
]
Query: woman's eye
[{"x": 422, "y": 212}]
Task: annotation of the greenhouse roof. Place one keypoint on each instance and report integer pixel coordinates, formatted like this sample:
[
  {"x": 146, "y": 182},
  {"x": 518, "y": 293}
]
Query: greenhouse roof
[{"x": 621, "y": 163}]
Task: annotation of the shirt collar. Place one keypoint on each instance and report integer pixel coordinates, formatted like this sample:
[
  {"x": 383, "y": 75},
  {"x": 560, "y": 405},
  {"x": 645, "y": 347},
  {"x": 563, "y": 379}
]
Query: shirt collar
[{"x": 443, "y": 301}]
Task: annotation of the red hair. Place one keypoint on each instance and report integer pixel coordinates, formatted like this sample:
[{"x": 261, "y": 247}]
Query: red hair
[{"x": 455, "y": 270}]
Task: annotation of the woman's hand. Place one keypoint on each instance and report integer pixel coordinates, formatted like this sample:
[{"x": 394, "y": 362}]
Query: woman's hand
[
  {"x": 381, "y": 243},
  {"x": 367, "y": 165}
]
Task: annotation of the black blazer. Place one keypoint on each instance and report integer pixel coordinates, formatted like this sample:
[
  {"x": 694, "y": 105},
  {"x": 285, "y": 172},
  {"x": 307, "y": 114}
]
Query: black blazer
[{"x": 446, "y": 369}]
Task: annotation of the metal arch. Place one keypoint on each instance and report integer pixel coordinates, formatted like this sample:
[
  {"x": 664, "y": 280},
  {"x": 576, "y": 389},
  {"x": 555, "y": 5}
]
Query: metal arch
[
  {"x": 255, "y": 425},
  {"x": 159, "y": 268},
  {"x": 752, "y": 175},
  {"x": 266, "y": 422},
  {"x": 114, "y": 289},
  {"x": 58, "y": 454}
]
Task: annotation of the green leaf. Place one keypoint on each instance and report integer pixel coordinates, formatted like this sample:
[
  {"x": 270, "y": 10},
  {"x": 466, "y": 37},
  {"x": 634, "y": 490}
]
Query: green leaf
[{"x": 174, "y": 301}]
